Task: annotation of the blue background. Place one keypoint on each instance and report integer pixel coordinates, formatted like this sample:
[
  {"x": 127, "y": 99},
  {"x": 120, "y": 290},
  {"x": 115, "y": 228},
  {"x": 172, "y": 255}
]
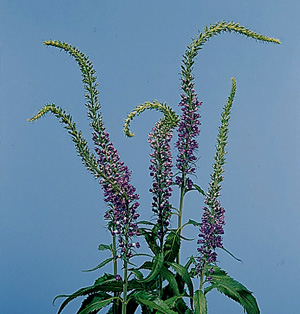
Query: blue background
[{"x": 51, "y": 208}]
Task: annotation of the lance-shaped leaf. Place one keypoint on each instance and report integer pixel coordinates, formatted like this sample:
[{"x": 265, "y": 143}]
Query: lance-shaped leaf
[
  {"x": 198, "y": 188},
  {"x": 103, "y": 247},
  {"x": 158, "y": 262},
  {"x": 182, "y": 271},
  {"x": 200, "y": 302},
  {"x": 170, "y": 117},
  {"x": 94, "y": 303},
  {"x": 106, "y": 283},
  {"x": 103, "y": 263},
  {"x": 232, "y": 289},
  {"x": 171, "y": 246},
  {"x": 99, "y": 283},
  {"x": 150, "y": 238},
  {"x": 152, "y": 302}
]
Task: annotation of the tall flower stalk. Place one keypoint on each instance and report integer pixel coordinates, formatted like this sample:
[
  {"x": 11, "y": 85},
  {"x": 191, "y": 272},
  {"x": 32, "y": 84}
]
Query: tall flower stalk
[
  {"x": 186, "y": 144},
  {"x": 189, "y": 123},
  {"x": 114, "y": 176},
  {"x": 212, "y": 222},
  {"x": 163, "y": 289}
]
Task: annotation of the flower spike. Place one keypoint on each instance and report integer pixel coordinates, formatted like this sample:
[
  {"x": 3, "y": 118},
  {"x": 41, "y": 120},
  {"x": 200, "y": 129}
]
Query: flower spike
[
  {"x": 212, "y": 223},
  {"x": 170, "y": 117}
]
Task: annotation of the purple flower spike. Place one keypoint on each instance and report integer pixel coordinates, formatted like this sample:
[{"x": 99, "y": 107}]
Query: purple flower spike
[
  {"x": 118, "y": 192},
  {"x": 188, "y": 129},
  {"x": 161, "y": 172},
  {"x": 211, "y": 232}
]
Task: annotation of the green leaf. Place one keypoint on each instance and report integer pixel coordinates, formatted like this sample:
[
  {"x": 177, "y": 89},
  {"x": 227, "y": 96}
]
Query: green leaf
[
  {"x": 171, "y": 247},
  {"x": 182, "y": 271},
  {"x": 103, "y": 247},
  {"x": 151, "y": 241},
  {"x": 166, "y": 274},
  {"x": 150, "y": 301},
  {"x": 192, "y": 222},
  {"x": 100, "y": 285},
  {"x": 145, "y": 222},
  {"x": 96, "y": 304},
  {"x": 232, "y": 289},
  {"x": 100, "y": 265},
  {"x": 190, "y": 261},
  {"x": 197, "y": 188},
  {"x": 200, "y": 302},
  {"x": 239, "y": 260},
  {"x": 169, "y": 276},
  {"x": 91, "y": 298},
  {"x": 158, "y": 262},
  {"x": 137, "y": 273},
  {"x": 172, "y": 301}
]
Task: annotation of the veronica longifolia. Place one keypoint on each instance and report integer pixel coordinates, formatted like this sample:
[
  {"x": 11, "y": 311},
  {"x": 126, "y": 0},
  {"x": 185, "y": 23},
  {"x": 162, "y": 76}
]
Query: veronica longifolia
[{"x": 162, "y": 283}]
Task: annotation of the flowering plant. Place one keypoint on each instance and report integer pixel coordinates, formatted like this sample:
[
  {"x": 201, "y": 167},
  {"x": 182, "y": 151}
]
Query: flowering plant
[{"x": 162, "y": 283}]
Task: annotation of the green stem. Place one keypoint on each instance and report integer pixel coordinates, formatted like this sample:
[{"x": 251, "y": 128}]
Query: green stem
[
  {"x": 125, "y": 285},
  {"x": 125, "y": 264},
  {"x": 180, "y": 212},
  {"x": 115, "y": 271},
  {"x": 201, "y": 277}
]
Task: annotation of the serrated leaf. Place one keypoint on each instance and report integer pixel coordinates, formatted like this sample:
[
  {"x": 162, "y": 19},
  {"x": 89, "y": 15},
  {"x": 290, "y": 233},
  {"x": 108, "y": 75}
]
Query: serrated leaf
[
  {"x": 103, "y": 247},
  {"x": 100, "y": 265},
  {"x": 96, "y": 305},
  {"x": 166, "y": 274},
  {"x": 158, "y": 262},
  {"x": 100, "y": 285},
  {"x": 171, "y": 301},
  {"x": 182, "y": 271},
  {"x": 152, "y": 302},
  {"x": 200, "y": 302},
  {"x": 91, "y": 298},
  {"x": 151, "y": 241},
  {"x": 171, "y": 246},
  {"x": 232, "y": 289},
  {"x": 169, "y": 276}
]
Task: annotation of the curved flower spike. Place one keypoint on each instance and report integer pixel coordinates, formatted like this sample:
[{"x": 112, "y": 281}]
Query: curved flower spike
[
  {"x": 170, "y": 117},
  {"x": 88, "y": 78}
]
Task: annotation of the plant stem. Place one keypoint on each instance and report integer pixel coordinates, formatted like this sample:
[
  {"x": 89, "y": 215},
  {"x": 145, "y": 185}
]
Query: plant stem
[
  {"x": 115, "y": 271},
  {"x": 125, "y": 285},
  {"x": 201, "y": 276},
  {"x": 125, "y": 264},
  {"x": 182, "y": 190}
]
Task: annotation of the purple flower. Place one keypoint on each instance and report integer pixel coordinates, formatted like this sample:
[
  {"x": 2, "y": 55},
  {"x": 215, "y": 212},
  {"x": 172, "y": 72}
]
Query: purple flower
[
  {"x": 118, "y": 192},
  {"x": 188, "y": 129},
  {"x": 211, "y": 232},
  {"x": 161, "y": 172}
]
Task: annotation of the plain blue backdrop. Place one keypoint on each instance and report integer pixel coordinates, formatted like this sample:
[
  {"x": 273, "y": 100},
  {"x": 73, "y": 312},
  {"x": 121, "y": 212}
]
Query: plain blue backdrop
[{"x": 51, "y": 208}]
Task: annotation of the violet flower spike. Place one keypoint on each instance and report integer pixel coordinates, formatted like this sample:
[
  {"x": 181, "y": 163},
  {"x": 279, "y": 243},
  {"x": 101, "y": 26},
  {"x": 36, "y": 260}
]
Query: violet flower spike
[
  {"x": 188, "y": 130},
  {"x": 161, "y": 172},
  {"x": 118, "y": 193}
]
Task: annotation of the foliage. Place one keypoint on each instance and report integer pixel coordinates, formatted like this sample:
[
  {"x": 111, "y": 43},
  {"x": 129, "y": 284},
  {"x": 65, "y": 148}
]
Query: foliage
[{"x": 161, "y": 284}]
